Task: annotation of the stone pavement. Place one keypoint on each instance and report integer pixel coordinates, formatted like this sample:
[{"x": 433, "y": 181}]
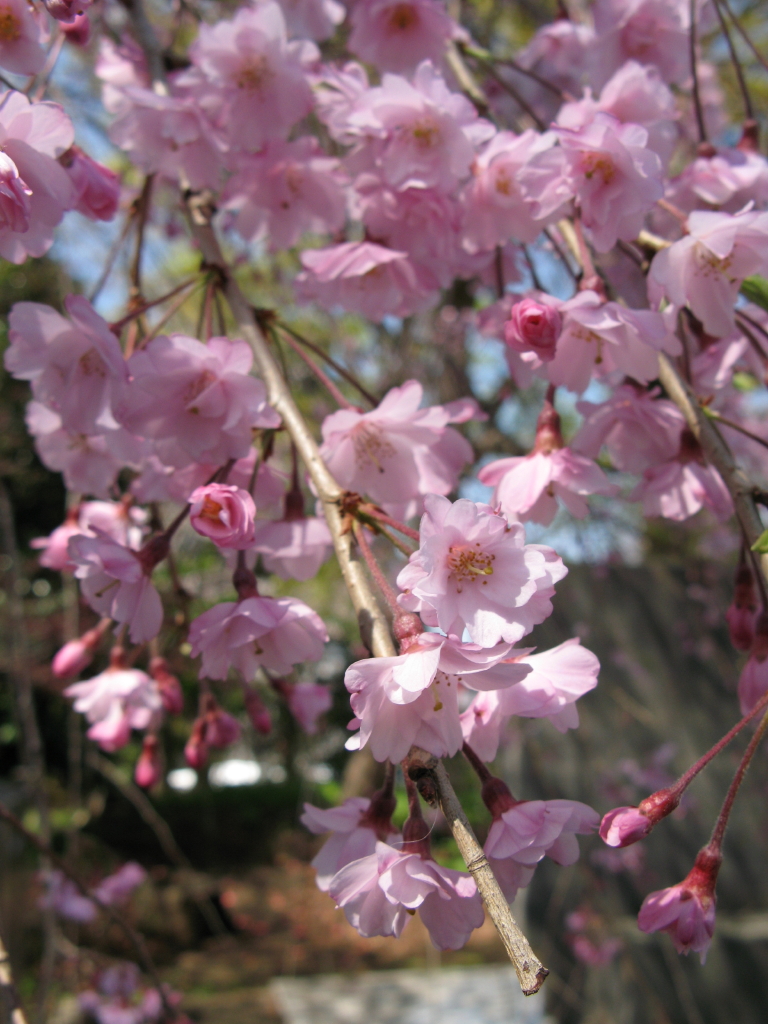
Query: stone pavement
[{"x": 465, "y": 995}]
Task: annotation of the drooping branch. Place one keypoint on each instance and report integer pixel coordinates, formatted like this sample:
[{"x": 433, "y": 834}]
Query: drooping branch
[{"x": 430, "y": 776}]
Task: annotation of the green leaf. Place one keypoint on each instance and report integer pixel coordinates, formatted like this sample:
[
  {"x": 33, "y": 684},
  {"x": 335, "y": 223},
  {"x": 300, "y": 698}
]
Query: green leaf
[
  {"x": 755, "y": 289},
  {"x": 761, "y": 544}
]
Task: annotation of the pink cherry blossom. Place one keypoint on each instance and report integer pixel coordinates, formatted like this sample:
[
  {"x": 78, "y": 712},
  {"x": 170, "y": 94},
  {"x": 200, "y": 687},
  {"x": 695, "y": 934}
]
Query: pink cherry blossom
[
  {"x": 36, "y": 191},
  {"x": 682, "y": 486},
  {"x": 169, "y": 686},
  {"x": 473, "y": 570},
  {"x": 116, "y": 888},
  {"x": 285, "y": 191},
  {"x": 396, "y": 35},
  {"x": 635, "y": 94},
  {"x": 89, "y": 464},
  {"x": 257, "y": 711},
  {"x": 114, "y": 583},
  {"x": 63, "y": 896},
  {"x": 600, "y": 338},
  {"x": 354, "y": 835},
  {"x": 615, "y": 178},
  {"x": 413, "y": 698},
  {"x": 75, "y": 655},
  {"x": 533, "y": 327},
  {"x": 20, "y": 39},
  {"x": 529, "y": 486},
  {"x": 728, "y": 178},
  {"x": 75, "y": 365},
  {"x": 705, "y": 269},
  {"x": 648, "y": 31},
  {"x": 293, "y": 548},
  {"x": 97, "y": 188},
  {"x": 416, "y": 135},
  {"x": 376, "y": 892},
  {"x": 355, "y": 888},
  {"x": 398, "y": 452},
  {"x": 274, "y": 632},
  {"x": 364, "y": 278},
  {"x": 559, "y": 53},
  {"x": 424, "y": 222},
  {"x": 529, "y": 830},
  {"x": 638, "y": 428},
  {"x": 167, "y": 135},
  {"x": 198, "y": 402},
  {"x": 223, "y": 513},
  {"x": 115, "y": 701},
  {"x": 686, "y": 911},
  {"x": 557, "y": 679},
  {"x": 312, "y": 19},
  {"x": 307, "y": 702},
  {"x": 497, "y": 207},
  {"x": 253, "y": 83}
]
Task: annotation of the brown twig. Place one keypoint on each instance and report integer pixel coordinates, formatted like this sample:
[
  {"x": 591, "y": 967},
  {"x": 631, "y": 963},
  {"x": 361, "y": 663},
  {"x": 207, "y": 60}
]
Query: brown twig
[
  {"x": 695, "y": 91},
  {"x": 430, "y": 776}
]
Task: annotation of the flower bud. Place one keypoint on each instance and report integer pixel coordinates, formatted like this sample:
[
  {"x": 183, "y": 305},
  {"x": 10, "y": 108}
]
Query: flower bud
[
  {"x": 78, "y": 32},
  {"x": 743, "y": 610},
  {"x": 196, "y": 750},
  {"x": 76, "y": 655},
  {"x": 97, "y": 188},
  {"x": 221, "y": 729},
  {"x": 149, "y": 769},
  {"x": 533, "y": 327},
  {"x": 261, "y": 720},
  {"x": 624, "y": 826},
  {"x": 225, "y": 514},
  {"x": 169, "y": 686}
]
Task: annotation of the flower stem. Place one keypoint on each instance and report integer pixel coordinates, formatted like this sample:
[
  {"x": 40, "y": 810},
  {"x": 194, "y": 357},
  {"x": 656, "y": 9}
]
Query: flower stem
[
  {"x": 695, "y": 75},
  {"x": 718, "y": 831},
  {"x": 482, "y": 772},
  {"x": 375, "y": 569},
  {"x": 321, "y": 375}
]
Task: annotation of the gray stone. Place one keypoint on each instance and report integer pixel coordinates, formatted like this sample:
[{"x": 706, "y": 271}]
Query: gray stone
[{"x": 470, "y": 995}]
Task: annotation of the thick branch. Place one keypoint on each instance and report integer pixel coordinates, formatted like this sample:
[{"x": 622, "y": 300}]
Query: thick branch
[
  {"x": 430, "y": 776},
  {"x": 716, "y": 451}
]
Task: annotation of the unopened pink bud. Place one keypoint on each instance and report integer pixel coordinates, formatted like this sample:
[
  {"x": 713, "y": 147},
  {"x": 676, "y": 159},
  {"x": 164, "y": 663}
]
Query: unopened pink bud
[
  {"x": 742, "y": 613},
  {"x": 497, "y": 797},
  {"x": 171, "y": 693},
  {"x": 225, "y": 514},
  {"x": 76, "y": 655},
  {"x": 548, "y": 435},
  {"x": 97, "y": 188},
  {"x": 78, "y": 32},
  {"x": 196, "y": 750},
  {"x": 533, "y": 327},
  {"x": 149, "y": 769},
  {"x": 261, "y": 720},
  {"x": 70, "y": 661},
  {"x": 221, "y": 729},
  {"x": 624, "y": 825}
]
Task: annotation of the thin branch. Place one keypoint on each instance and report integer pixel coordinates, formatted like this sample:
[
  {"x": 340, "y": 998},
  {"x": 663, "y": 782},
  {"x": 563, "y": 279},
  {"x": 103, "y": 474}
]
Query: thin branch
[
  {"x": 695, "y": 91},
  {"x": 323, "y": 377},
  {"x": 735, "y": 426},
  {"x": 348, "y": 377},
  {"x": 745, "y": 35},
  {"x": 150, "y": 816},
  {"x": 119, "y": 324},
  {"x": 136, "y": 939},
  {"x": 749, "y": 110},
  {"x": 430, "y": 776}
]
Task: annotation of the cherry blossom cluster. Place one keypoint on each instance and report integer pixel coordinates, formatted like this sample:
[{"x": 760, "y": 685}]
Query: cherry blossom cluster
[{"x": 389, "y": 166}]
